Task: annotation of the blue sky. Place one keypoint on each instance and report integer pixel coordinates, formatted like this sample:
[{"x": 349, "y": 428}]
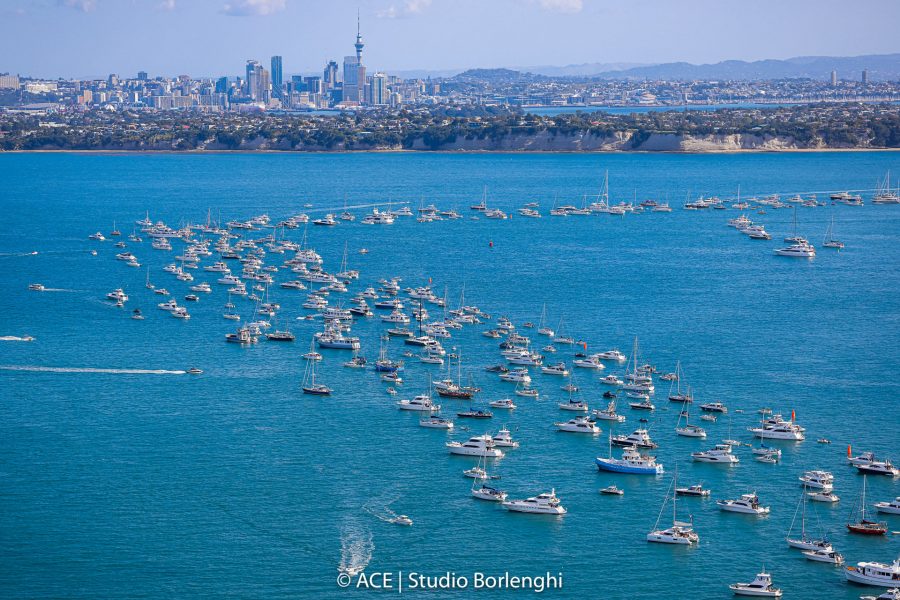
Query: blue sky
[{"x": 80, "y": 38}]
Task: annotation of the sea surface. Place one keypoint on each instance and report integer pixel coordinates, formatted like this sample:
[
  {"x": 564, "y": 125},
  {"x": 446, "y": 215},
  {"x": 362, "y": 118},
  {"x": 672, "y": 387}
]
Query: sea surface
[{"x": 232, "y": 483}]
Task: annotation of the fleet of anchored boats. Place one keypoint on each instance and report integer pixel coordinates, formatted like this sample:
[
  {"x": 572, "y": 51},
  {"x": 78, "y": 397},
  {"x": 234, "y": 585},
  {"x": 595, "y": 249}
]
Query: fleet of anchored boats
[{"x": 240, "y": 247}]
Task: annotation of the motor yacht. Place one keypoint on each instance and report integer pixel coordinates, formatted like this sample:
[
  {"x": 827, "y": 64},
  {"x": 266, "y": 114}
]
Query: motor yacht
[
  {"x": 578, "y": 425},
  {"x": 825, "y": 556},
  {"x": 821, "y": 480},
  {"x": 632, "y": 462},
  {"x": 480, "y": 445},
  {"x": 797, "y": 251},
  {"x": 823, "y": 497},
  {"x": 714, "y": 407},
  {"x": 118, "y": 295},
  {"x": 890, "y": 508},
  {"x": 609, "y": 413},
  {"x": 776, "y": 428},
  {"x": 503, "y": 439},
  {"x": 504, "y": 403},
  {"x": 878, "y": 467},
  {"x": 516, "y": 376},
  {"x": 557, "y": 369},
  {"x": 435, "y": 422},
  {"x": 747, "y": 504},
  {"x": 721, "y": 454},
  {"x": 589, "y": 363},
  {"x": 689, "y": 430},
  {"x": 891, "y": 594},
  {"x": 546, "y": 503},
  {"x": 612, "y": 490},
  {"x": 693, "y": 490},
  {"x": 610, "y": 355},
  {"x": 421, "y": 403},
  {"x": 574, "y": 405},
  {"x": 875, "y": 573},
  {"x": 761, "y": 586},
  {"x": 475, "y": 414},
  {"x": 638, "y": 437},
  {"x": 644, "y": 404}
]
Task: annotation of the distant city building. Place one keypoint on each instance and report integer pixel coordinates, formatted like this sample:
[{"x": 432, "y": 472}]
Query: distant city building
[
  {"x": 330, "y": 75},
  {"x": 313, "y": 85},
  {"x": 9, "y": 82},
  {"x": 277, "y": 77},
  {"x": 378, "y": 90},
  {"x": 865, "y": 76},
  {"x": 142, "y": 76},
  {"x": 355, "y": 73},
  {"x": 258, "y": 82},
  {"x": 222, "y": 85},
  {"x": 833, "y": 78}
]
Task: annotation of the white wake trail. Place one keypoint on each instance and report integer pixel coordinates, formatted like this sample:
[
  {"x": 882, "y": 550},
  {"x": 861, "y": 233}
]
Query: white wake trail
[{"x": 90, "y": 370}]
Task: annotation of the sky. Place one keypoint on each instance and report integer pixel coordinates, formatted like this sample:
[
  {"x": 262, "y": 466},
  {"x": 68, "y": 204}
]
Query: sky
[{"x": 206, "y": 38}]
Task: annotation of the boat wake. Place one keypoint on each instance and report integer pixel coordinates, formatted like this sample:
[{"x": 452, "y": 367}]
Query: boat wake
[
  {"x": 89, "y": 370},
  {"x": 16, "y": 254},
  {"x": 357, "y": 547},
  {"x": 15, "y": 338},
  {"x": 382, "y": 512}
]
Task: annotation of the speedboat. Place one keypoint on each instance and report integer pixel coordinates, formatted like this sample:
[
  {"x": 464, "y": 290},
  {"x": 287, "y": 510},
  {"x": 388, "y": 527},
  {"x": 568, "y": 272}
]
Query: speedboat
[
  {"x": 435, "y": 422},
  {"x": 644, "y": 404},
  {"x": 36, "y": 287},
  {"x": 890, "y": 508},
  {"x": 747, "y": 504},
  {"x": 480, "y": 445},
  {"x": 693, "y": 490},
  {"x": 578, "y": 425},
  {"x": 823, "y": 497},
  {"x": 546, "y": 504},
  {"x": 689, "y": 430},
  {"x": 631, "y": 462},
  {"x": 832, "y": 557},
  {"x": 612, "y": 490},
  {"x": 874, "y": 573},
  {"x": 611, "y": 380},
  {"x": 721, "y": 453},
  {"x": 761, "y": 586},
  {"x": 475, "y": 414},
  {"x": 574, "y": 405},
  {"x": 714, "y": 407},
  {"x": 399, "y": 519}
]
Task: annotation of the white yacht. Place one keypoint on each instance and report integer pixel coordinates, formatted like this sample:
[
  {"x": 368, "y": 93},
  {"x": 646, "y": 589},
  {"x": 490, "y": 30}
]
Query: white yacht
[
  {"x": 503, "y": 439},
  {"x": 169, "y": 305},
  {"x": 516, "y": 376},
  {"x": 875, "y": 573},
  {"x": 747, "y": 503},
  {"x": 479, "y": 445},
  {"x": 797, "y": 251},
  {"x": 546, "y": 504},
  {"x": 639, "y": 438},
  {"x": 609, "y": 413},
  {"x": 574, "y": 405},
  {"x": 693, "y": 490},
  {"x": 612, "y": 380},
  {"x": 761, "y": 586},
  {"x": 420, "y": 403},
  {"x": 878, "y": 467},
  {"x": 776, "y": 428},
  {"x": 557, "y": 369},
  {"x": 680, "y": 532},
  {"x": 821, "y": 480},
  {"x": 832, "y": 557},
  {"x": 610, "y": 355},
  {"x": 714, "y": 407},
  {"x": 578, "y": 425},
  {"x": 491, "y": 494},
  {"x": 504, "y": 403},
  {"x": 890, "y": 508},
  {"x": 435, "y": 422},
  {"x": 721, "y": 454},
  {"x": 891, "y": 594},
  {"x": 589, "y": 363},
  {"x": 117, "y": 295}
]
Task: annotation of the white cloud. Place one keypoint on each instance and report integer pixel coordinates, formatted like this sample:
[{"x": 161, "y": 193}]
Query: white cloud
[
  {"x": 253, "y": 8},
  {"x": 82, "y": 5},
  {"x": 166, "y": 5},
  {"x": 562, "y": 6},
  {"x": 406, "y": 9}
]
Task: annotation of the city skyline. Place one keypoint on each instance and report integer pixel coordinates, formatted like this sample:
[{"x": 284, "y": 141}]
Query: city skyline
[{"x": 217, "y": 36}]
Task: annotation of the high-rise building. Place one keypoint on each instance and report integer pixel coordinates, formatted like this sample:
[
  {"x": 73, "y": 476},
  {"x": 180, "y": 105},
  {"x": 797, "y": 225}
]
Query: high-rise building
[
  {"x": 313, "y": 85},
  {"x": 277, "y": 76},
  {"x": 330, "y": 75},
  {"x": 378, "y": 90},
  {"x": 252, "y": 78},
  {"x": 222, "y": 85},
  {"x": 355, "y": 72},
  {"x": 865, "y": 76},
  {"x": 833, "y": 78},
  {"x": 142, "y": 75}
]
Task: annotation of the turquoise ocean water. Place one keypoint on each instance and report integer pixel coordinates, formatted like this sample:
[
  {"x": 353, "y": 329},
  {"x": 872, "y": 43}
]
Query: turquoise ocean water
[{"x": 232, "y": 483}]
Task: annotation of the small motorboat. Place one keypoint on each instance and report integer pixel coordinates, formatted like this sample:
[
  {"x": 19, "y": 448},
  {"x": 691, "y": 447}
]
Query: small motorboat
[
  {"x": 475, "y": 414},
  {"x": 823, "y": 496},
  {"x": 401, "y": 520},
  {"x": 891, "y": 594},
  {"x": 761, "y": 586},
  {"x": 504, "y": 403},
  {"x": 194, "y": 371},
  {"x": 694, "y": 490},
  {"x": 391, "y": 391},
  {"x": 137, "y": 315},
  {"x": 612, "y": 491},
  {"x": 823, "y": 441},
  {"x": 36, "y": 287}
]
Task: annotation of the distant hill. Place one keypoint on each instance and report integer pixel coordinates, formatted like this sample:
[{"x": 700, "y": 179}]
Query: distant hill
[
  {"x": 881, "y": 67},
  {"x": 581, "y": 70},
  {"x": 493, "y": 76}
]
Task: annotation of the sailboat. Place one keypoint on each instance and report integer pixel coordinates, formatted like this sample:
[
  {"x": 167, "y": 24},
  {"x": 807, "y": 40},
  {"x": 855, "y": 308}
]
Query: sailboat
[
  {"x": 805, "y": 542},
  {"x": 830, "y": 242},
  {"x": 149, "y": 285},
  {"x": 483, "y": 205},
  {"x": 542, "y": 327},
  {"x": 679, "y": 396},
  {"x": 680, "y": 532},
  {"x": 484, "y": 491},
  {"x": 562, "y": 339},
  {"x": 884, "y": 193},
  {"x": 687, "y": 429},
  {"x": 863, "y": 525},
  {"x": 448, "y": 389},
  {"x": 794, "y": 238},
  {"x": 309, "y": 384}
]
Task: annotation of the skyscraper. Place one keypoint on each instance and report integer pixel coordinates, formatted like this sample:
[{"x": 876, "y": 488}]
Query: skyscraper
[
  {"x": 833, "y": 78},
  {"x": 330, "y": 75},
  {"x": 276, "y": 76},
  {"x": 252, "y": 78},
  {"x": 378, "y": 92},
  {"x": 865, "y": 76},
  {"x": 355, "y": 72}
]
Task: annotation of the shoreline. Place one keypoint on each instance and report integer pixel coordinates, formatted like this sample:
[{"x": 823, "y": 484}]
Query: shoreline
[{"x": 462, "y": 152}]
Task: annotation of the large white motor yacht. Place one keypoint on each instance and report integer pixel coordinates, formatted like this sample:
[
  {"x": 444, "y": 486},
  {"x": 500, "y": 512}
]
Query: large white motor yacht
[
  {"x": 747, "y": 503},
  {"x": 545, "y": 504},
  {"x": 721, "y": 453},
  {"x": 421, "y": 403},
  {"x": 479, "y": 445},
  {"x": 875, "y": 573},
  {"x": 578, "y": 425},
  {"x": 761, "y": 586}
]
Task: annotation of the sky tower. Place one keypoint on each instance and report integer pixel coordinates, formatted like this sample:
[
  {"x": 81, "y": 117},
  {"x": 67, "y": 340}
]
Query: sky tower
[{"x": 359, "y": 41}]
